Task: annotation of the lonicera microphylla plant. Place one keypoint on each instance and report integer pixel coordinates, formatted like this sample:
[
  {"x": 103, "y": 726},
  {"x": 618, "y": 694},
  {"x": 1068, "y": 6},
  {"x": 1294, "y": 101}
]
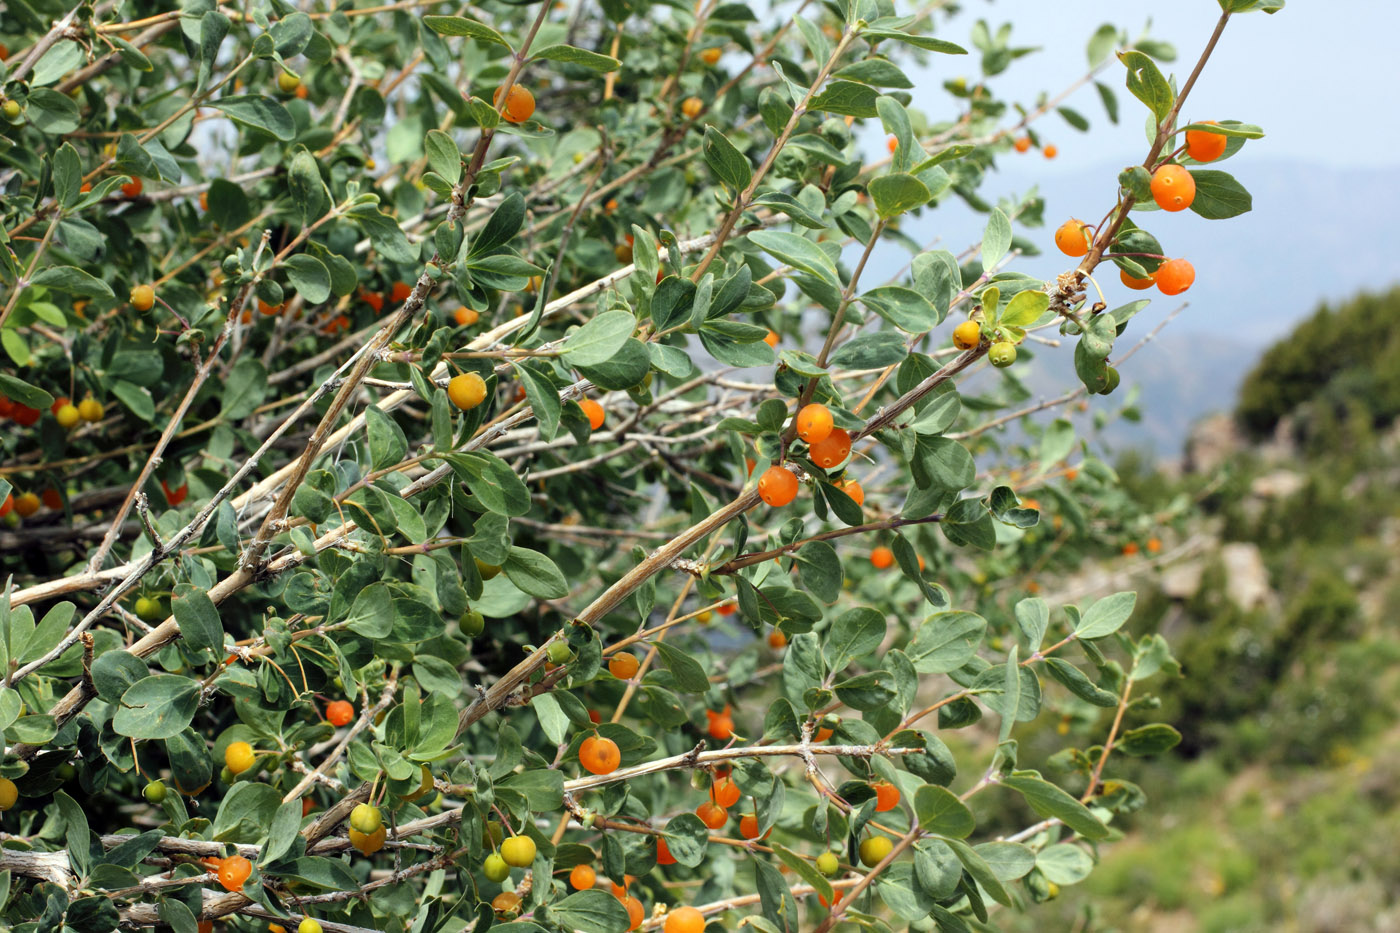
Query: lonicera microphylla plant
[{"x": 466, "y": 574}]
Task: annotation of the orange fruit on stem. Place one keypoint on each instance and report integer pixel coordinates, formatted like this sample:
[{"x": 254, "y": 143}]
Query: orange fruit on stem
[
  {"x": 685, "y": 920},
  {"x": 833, "y": 450},
  {"x": 1205, "y": 146},
  {"x": 710, "y": 56},
  {"x": 1173, "y": 188},
  {"x": 339, "y": 713},
  {"x": 853, "y": 489},
  {"x": 466, "y": 317},
  {"x": 507, "y": 902},
  {"x": 771, "y": 339},
  {"x": 1134, "y": 283},
  {"x": 882, "y": 557},
  {"x": 663, "y": 852},
  {"x": 1050, "y": 152},
  {"x": 400, "y": 292},
  {"x": 886, "y": 796},
  {"x": 1023, "y": 144},
  {"x": 748, "y": 827},
  {"x": 691, "y": 107},
  {"x": 725, "y": 792},
  {"x": 777, "y": 640},
  {"x": 594, "y": 412},
  {"x": 520, "y": 104},
  {"x": 582, "y": 878},
  {"x": 777, "y": 486},
  {"x": 623, "y": 666},
  {"x": 721, "y": 725},
  {"x": 143, "y": 297},
  {"x": 636, "y": 913},
  {"x": 1073, "y": 238},
  {"x": 466, "y": 390},
  {"x": 967, "y": 335},
  {"x": 712, "y": 815},
  {"x": 599, "y": 755},
  {"x": 814, "y": 423},
  {"x": 132, "y": 188},
  {"x": 1175, "y": 276},
  {"x": 233, "y": 871}
]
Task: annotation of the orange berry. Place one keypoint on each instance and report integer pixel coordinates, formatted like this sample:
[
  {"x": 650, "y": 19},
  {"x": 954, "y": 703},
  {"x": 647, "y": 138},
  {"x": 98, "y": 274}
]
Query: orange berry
[
  {"x": 685, "y": 920},
  {"x": 204, "y": 200},
  {"x": 466, "y": 390},
  {"x": 132, "y": 188},
  {"x": 175, "y": 496},
  {"x": 1173, "y": 188},
  {"x": 967, "y": 335},
  {"x": 663, "y": 852},
  {"x": 921, "y": 562},
  {"x": 725, "y": 793},
  {"x": 710, "y": 56},
  {"x": 339, "y": 713},
  {"x": 301, "y": 92},
  {"x": 1072, "y": 474},
  {"x": 882, "y": 557},
  {"x": 582, "y": 878},
  {"x": 373, "y": 299},
  {"x": 233, "y": 871},
  {"x": 142, "y": 297},
  {"x": 892, "y": 144},
  {"x": 400, "y": 292},
  {"x": 307, "y": 805},
  {"x": 748, "y": 827},
  {"x": 1073, "y": 238},
  {"x": 721, "y": 725},
  {"x": 691, "y": 107},
  {"x": 772, "y": 338},
  {"x": 520, "y": 104},
  {"x": 594, "y": 412},
  {"x": 507, "y": 902},
  {"x": 599, "y": 755},
  {"x": 814, "y": 423},
  {"x": 1154, "y": 545},
  {"x": 712, "y": 815},
  {"x": 636, "y": 913},
  {"x": 1136, "y": 284},
  {"x": 1205, "y": 146},
  {"x": 8, "y": 505},
  {"x": 853, "y": 489},
  {"x": 1023, "y": 144},
  {"x": 1130, "y": 549},
  {"x": 623, "y": 666},
  {"x": 24, "y": 415},
  {"x": 835, "y": 897},
  {"x": 1050, "y": 152},
  {"x": 777, "y": 486},
  {"x": 86, "y": 187},
  {"x": 729, "y": 608},
  {"x": 886, "y": 796},
  {"x": 833, "y": 450},
  {"x": 610, "y": 205},
  {"x": 1175, "y": 276},
  {"x": 823, "y": 734},
  {"x": 777, "y": 640},
  {"x": 268, "y": 310},
  {"x": 51, "y": 498},
  {"x": 466, "y": 317}
]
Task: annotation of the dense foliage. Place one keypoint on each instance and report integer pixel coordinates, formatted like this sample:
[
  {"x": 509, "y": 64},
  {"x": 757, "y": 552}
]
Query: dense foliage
[{"x": 392, "y": 555}]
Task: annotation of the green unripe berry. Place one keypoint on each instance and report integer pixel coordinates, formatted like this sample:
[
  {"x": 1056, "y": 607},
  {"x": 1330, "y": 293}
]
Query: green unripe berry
[
  {"x": 366, "y": 819},
  {"x": 226, "y": 775},
  {"x": 148, "y": 609},
  {"x": 1111, "y": 382},
  {"x": 518, "y": 851},
  {"x": 472, "y": 623},
  {"x": 287, "y": 82},
  {"x": 874, "y": 849},
  {"x": 828, "y": 864},
  {"x": 12, "y": 110},
  {"x": 309, "y": 925},
  {"x": 496, "y": 868},
  {"x": 487, "y": 571},
  {"x": 154, "y": 792},
  {"x": 1002, "y": 353},
  {"x": 559, "y": 652}
]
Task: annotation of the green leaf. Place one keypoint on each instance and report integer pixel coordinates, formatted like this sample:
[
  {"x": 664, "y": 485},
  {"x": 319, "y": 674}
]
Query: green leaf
[
  {"x": 310, "y": 277},
  {"x": 502, "y": 226},
  {"x": 592, "y": 911},
  {"x": 689, "y": 676},
  {"x": 51, "y": 112},
  {"x": 981, "y": 872},
  {"x": 940, "y": 811},
  {"x": 462, "y": 26},
  {"x": 866, "y": 692},
  {"x": 903, "y": 307},
  {"x": 896, "y": 193},
  {"x": 1152, "y": 739},
  {"x": 1050, "y": 801},
  {"x": 1146, "y": 83},
  {"x": 443, "y": 155},
  {"x": 598, "y": 340},
  {"x": 534, "y": 573},
  {"x": 387, "y": 443},
  {"x": 787, "y": 204},
  {"x": 854, "y": 634},
  {"x": 1025, "y": 308},
  {"x": 725, "y": 160},
  {"x": 996, "y": 238},
  {"x": 875, "y": 71},
  {"x": 1106, "y": 616},
  {"x": 157, "y": 707},
  {"x": 246, "y": 813},
  {"x": 372, "y": 613},
  {"x": 1218, "y": 195},
  {"x": 575, "y": 56},
  {"x": 874, "y": 350},
  {"x": 927, "y": 43},
  {"x": 543, "y": 788},
  {"x": 946, "y": 641},
  {"x": 798, "y": 252},
  {"x": 198, "y": 618},
  {"x": 67, "y": 175},
  {"x": 260, "y": 113},
  {"x": 1078, "y": 683},
  {"x": 1064, "y": 863},
  {"x": 1008, "y": 860},
  {"x": 846, "y": 98},
  {"x": 307, "y": 187},
  {"x": 74, "y": 280},
  {"x": 20, "y": 391}
]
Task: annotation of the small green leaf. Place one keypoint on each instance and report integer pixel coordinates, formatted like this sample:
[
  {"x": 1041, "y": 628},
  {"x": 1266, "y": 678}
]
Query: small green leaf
[
  {"x": 575, "y": 56},
  {"x": 462, "y": 26}
]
